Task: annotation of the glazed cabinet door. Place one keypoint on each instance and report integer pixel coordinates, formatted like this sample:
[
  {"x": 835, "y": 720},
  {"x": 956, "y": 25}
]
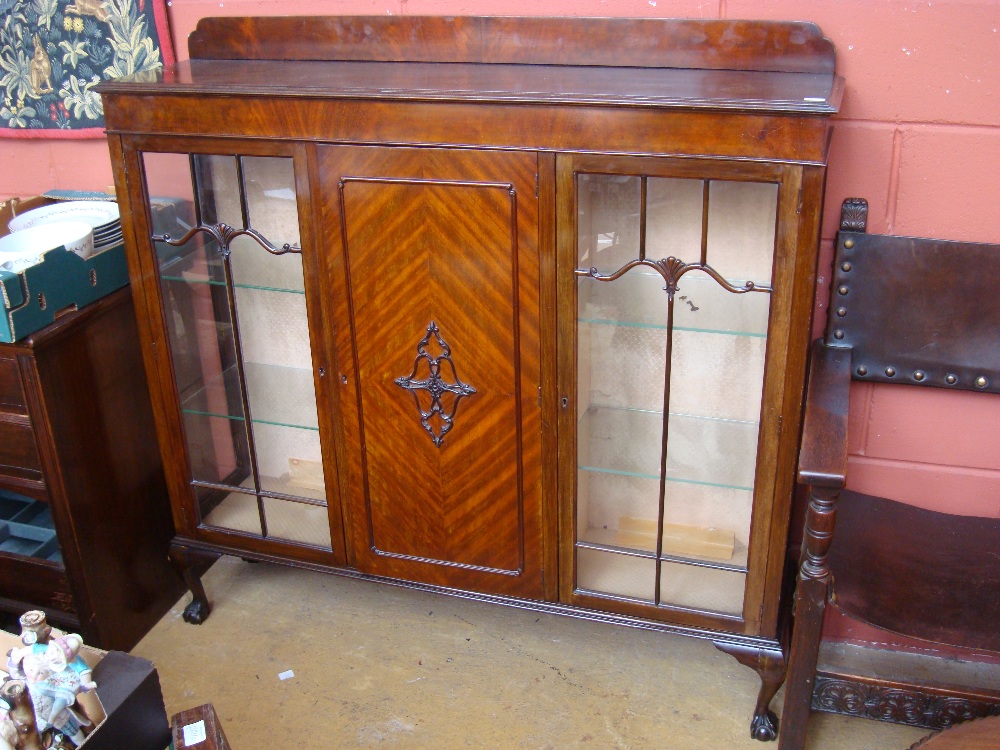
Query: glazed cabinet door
[
  {"x": 675, "y": 281},
  {"x": 434, "y": 257},
  {"x": 226, "y": 257}
]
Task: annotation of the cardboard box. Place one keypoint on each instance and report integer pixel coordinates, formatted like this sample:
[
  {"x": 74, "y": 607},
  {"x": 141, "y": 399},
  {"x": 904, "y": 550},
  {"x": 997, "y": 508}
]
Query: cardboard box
[
  {"x": 127, "y": 707},
  {"x": 62, "y": 282}
]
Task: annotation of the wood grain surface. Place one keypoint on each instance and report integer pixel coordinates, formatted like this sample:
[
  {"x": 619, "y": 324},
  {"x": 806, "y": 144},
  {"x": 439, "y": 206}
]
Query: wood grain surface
[{"x": 449, "y": 239}]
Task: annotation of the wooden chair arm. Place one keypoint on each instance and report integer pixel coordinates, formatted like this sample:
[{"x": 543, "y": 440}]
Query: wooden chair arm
[{"x": 823, "y": 454}]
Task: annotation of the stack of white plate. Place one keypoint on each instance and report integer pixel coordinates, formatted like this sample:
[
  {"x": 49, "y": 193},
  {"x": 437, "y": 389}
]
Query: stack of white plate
[{"x": 102, "y": 216}]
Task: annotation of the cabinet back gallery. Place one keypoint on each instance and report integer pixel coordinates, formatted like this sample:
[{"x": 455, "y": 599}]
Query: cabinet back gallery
[{"x": 515, "y": 308}]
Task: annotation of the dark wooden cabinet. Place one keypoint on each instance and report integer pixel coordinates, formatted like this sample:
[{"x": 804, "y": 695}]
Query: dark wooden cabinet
[
  {"x": 84, "y": 513},
  {"x": 494, "y": 306}
]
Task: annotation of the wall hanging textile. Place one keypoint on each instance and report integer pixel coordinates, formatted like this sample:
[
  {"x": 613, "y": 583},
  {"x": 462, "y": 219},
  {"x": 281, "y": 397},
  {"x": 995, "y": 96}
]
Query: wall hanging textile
[{"x": 54, "y": 52}]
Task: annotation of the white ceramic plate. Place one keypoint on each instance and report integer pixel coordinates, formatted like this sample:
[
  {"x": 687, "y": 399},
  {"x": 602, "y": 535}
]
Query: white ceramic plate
[
  {"x": 94, "y": 213},
  {"x": 114, "y": 226},
  {"x": 19, "y": 250}
]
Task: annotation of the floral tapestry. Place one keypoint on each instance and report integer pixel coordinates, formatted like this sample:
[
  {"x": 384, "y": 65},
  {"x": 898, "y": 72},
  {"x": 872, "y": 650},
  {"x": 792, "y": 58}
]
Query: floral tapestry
[{"x": 54, "y": 52}]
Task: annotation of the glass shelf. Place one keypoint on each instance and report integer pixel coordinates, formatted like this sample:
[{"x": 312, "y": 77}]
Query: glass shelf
[
  {"x": 212, "y": 282},
  {"x": 701, "y": 522},
  {"x": 711, "y": 375},
  {"x": 280, "y": 396},
  {"x": 200, "y": 262},
  {"x": 701, "y": 450}
]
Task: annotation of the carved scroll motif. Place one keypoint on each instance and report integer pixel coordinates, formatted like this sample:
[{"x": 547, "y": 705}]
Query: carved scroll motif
[
  {"x": 224, "y": 235},
  {"x": 672, "y": 269}
]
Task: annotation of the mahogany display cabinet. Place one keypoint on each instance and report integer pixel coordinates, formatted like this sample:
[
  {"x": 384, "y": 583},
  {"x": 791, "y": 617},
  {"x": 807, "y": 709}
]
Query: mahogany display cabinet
[{"x": 509, "y": 308}]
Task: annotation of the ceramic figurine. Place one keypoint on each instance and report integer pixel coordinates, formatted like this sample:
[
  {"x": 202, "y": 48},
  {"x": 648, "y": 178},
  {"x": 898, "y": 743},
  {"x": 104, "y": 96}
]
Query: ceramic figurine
[
  {"x": 34, "y": 629},
  {"x": 18, "y": 729},
  {"x": 55, "y": 673}
]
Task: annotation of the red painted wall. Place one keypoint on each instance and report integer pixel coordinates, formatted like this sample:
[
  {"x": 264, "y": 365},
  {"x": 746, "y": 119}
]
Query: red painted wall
[{"x": 919, "y": 137}]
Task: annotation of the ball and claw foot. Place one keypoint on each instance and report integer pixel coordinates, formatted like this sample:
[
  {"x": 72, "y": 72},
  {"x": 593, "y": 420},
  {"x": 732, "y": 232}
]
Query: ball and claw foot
[
  {"x": 196, "y": 612},
  {"x": 764, "y": 727}
]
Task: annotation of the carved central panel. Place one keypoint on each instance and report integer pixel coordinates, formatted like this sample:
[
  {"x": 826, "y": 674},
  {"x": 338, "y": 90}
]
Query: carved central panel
[{"x": 445, "y": 391}]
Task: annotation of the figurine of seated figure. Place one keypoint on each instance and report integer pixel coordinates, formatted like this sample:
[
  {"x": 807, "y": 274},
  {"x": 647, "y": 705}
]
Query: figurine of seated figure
[{"x": 55, "y": 674}]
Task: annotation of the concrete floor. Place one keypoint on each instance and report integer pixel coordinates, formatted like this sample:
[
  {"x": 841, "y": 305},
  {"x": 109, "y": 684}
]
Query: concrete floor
[{"x": 383, "y": 666}]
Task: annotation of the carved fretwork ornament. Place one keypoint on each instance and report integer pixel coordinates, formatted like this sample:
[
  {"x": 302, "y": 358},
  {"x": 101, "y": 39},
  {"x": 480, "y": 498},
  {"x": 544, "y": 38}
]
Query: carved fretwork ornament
[
  {"x": 438, "y": 418},
  {"x": 672, "y": 269},
  {"x": 224, "y": 235}
]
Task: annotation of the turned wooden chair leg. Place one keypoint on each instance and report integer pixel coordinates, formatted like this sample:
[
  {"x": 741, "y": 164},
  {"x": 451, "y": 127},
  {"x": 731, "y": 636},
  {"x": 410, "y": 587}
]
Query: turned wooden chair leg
[
  {"x": 811, "y": 592},
  {"x": 191, "y": 563}
]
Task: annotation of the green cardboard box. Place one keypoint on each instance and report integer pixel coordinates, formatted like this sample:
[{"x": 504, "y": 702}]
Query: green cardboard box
[{"x": 62, "y": 282}]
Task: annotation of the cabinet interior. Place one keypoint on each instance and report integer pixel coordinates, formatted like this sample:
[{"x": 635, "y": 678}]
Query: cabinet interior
[
  {"x": 236, "y": 316},
  {"x": 669, "y": 385}
]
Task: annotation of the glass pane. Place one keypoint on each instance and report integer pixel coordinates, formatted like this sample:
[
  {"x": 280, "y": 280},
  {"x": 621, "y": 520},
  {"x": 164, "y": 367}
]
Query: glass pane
[
  {"x": 701, "y": 450},
  {"x": 297, "y": 522},
  {"x": 270, "y": 191},
  {"x": 26, "y": 528},
  {"x": 274, "y": 329},
  {"x": 673, "y": 218},
  {"x": 289, "y": 461},
  {"x": 716, "y": 353},
  {"x": 239, "y": 341},
  {"x": 270, "y": 185},
  {"x": 218, "y": 190},
  {"x": 619, "y": 575},
  {"x": 702, "y": 588},
  {"x": 741, "y": 223},
  {"x": 715, "y": 400},
  {"x": 217, "y": 444},
  {"x": 237, "y": 511},
  {"x": 608, "y": 220},
  {"x": 623, "y": 366},
  {"x": 605, "y": 498}
]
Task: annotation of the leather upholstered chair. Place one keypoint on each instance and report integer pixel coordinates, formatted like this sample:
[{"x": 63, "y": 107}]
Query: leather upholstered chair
[{"x": 925, "y": 313}]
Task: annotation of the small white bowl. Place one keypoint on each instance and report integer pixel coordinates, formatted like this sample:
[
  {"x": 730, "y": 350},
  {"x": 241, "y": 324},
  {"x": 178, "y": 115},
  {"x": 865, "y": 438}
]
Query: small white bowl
[{"x": 24, "y": 248}]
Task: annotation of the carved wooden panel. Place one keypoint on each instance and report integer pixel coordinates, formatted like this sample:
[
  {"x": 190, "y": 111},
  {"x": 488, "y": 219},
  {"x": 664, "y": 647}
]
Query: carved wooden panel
[
  {"x": 443, "y": 441},
  {"x": 898, "y": 704}
]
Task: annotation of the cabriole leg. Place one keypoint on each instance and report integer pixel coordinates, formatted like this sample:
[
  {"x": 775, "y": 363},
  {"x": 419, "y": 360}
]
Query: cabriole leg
[
  {"x": 191, "y": 563},
  {"x": 769, "y": 664}
]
